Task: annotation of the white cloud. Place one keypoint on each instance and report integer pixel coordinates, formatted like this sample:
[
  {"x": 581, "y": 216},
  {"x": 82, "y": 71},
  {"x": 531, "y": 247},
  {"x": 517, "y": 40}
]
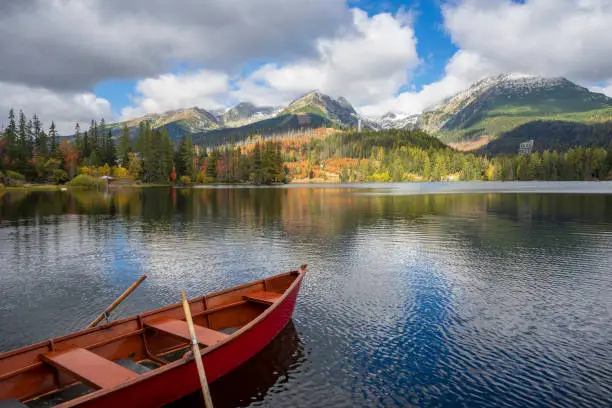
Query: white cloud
[
  {"x": 367, "y": 62},
  {"x": 605, "y": 89},
  {"x": 64, "y": 108},
  {"x": 463, "y": 69},
  {"x": 74, "y": 44},
  {"x": 342, "y": 52},
  {"x": 173, "y": 91},
  {"x": 570, "y": 38}
]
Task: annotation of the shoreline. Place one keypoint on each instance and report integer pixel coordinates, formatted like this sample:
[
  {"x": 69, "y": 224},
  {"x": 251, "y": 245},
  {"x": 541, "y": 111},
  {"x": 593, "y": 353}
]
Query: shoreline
[{"x": 443, "y": 185}]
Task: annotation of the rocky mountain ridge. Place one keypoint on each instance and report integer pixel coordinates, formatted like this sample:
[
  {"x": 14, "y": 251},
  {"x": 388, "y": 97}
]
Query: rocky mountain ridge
[
  {"x": 494, "y": 104},
  {"x": 482, "y": 112}
]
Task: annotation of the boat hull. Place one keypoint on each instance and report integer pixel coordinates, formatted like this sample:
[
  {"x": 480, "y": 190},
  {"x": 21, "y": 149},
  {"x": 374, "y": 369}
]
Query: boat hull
[{"x": 177, "y": 381}]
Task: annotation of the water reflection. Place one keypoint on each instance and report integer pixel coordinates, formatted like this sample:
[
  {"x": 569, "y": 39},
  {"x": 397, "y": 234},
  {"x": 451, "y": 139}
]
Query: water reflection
[
  {"x": 410, "y": 300},
  {"x": 296, "y": 207},
  {"x": 271, "y": 370}
]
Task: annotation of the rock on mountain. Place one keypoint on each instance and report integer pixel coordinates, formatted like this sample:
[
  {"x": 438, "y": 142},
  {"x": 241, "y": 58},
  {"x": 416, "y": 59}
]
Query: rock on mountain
[
  {"x": 311, "y": 110},
  {"x": 179, "y": 122},
  {"x": 393, "y": 120},
  {"x": 499, "y": 104},
  {"x": 316, "y": 103},
  {"x": 245, "y": 113}
]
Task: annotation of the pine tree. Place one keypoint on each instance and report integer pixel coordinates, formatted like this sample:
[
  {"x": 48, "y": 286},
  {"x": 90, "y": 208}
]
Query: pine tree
[
  {"x": 78, "y": 139},
  {"x": 10, "y": 138},
  {"x": 179, "y": 163},
  {"x": 30, "y": 138},
  {"x": 43, "y": 144},
  {"x": 12, "y": 128},
  {"x": 86, "y": 151},
  {"x": 148, "y": 160},
  {"x": 7, "y": 144},
  {"x": 124, "y": 145},
  {"x": 53, "y": 140},
  {"x": 101, "y": 130},
  {"x": 93, "y": 137},
  {"x": 189, "y": 153},
  {"x": 257, "y": 170},
  {"x": 139, "y": 140},
  {"x": 211, "y": 165},
  {"x": 186, "y": 156},
  {"x": 36, "y": 130},
  {"x": 22, "y": 136},
  {"x": 109, "y": 149}
]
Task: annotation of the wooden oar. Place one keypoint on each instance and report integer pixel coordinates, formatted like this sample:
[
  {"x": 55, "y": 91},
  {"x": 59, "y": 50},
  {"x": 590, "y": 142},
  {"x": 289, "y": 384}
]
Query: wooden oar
[
  {"x": 117, "y": 302},
  {"x": 196, "y": 353}
]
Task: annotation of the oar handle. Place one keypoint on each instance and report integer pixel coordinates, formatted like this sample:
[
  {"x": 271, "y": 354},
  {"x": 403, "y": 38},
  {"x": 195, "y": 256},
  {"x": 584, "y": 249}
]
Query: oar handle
[
  {"x": 117, "y": 302},
  {"x": 196, "y": 353}
]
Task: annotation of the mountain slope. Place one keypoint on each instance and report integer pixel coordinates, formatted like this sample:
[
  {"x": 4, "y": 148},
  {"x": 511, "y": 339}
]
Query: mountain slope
[
  {"x": 316, "y": 103},
  {"x": 311, "y": 110},
  {"x": 497, "y": 105},
  {"x": 278, "y": 124},
  {"x": 553, "y": 135},
  {"x": 179, "y": 122},
  {"x": 393, "y": 120},
  {"x": 246, "y": 113}
]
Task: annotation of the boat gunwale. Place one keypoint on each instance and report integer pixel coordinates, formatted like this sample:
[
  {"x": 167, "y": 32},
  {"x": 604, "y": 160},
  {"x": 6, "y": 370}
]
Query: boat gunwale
[
  {"x": 109, "y": 340},
  {"x": 45, "y": 343},
  {"x": 175, "y": 364}
]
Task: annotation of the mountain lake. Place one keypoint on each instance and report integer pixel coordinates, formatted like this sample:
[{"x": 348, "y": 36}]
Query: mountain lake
[{"x": 425, "y": 295}]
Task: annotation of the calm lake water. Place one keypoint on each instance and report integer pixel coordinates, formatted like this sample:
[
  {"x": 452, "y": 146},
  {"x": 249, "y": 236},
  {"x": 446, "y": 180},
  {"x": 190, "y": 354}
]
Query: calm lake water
[{"x": 498, "y": 299}]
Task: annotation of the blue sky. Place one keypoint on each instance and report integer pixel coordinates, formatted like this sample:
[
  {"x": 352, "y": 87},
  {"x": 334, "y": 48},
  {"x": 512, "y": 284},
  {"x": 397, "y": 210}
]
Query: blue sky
[
  {"x": 434, "y": 46},
  {"x": 121, "y": 59}
]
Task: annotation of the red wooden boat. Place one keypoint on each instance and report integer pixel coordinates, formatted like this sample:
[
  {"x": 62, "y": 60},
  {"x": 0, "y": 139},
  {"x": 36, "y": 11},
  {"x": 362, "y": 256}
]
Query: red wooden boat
[{"x": 144, "y": 360}]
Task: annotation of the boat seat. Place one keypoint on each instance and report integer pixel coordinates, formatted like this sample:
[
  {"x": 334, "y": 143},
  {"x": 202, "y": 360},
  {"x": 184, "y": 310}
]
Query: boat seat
[
  {"x": 267, "y": 298},
  {"x": 88, "y": 367},
  {"x": 178, "y": 328},
  {"x": 12, "y": 403}
]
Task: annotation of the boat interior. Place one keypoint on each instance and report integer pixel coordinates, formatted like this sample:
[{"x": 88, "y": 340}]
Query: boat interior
[{"x": 58, "y": 370}]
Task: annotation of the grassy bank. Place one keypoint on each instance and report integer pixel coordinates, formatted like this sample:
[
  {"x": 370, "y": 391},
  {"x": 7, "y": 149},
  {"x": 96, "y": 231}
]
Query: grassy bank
[
  {"x": 53, "y": 187},
  {"x": 33, "y": 187}
]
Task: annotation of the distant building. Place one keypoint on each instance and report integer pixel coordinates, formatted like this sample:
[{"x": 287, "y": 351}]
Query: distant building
[{"x": 526, "y": 147}]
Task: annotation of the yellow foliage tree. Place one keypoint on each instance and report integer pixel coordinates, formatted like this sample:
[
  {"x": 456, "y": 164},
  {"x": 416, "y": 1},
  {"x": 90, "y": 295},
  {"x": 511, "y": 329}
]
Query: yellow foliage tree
[{"x": 491, "y": 172}]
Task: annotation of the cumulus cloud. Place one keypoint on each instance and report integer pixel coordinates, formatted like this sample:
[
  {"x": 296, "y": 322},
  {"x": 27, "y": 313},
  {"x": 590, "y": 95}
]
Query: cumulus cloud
[
  {"x": 65, "y": 108},
  {"x": 367, "y": 62},
  {"x": 605, "y": 89},
  {"x": 463, "y": 69},
  {"x": 73, "y": 44},
  {"x": 173, "y": 91},
  {"x": 367, "y": 58},
  {"x": 549, "y": 37},
  {"x": 569, "y": 38}
]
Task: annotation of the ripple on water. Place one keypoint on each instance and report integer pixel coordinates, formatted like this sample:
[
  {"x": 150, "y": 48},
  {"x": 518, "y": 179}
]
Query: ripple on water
[{"x": 445, "y": 300}]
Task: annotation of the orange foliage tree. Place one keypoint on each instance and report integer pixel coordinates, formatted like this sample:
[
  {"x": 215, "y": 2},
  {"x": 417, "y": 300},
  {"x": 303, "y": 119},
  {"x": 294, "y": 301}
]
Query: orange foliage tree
[{"x": 71, "y": 157}]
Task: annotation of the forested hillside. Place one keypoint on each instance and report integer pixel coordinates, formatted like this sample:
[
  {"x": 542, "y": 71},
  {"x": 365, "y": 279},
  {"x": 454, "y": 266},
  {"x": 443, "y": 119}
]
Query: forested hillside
[
  {"x": 510, "y": 104},
  {"x": 28, "y": 153},
  {"x": 552, "y": 135}
]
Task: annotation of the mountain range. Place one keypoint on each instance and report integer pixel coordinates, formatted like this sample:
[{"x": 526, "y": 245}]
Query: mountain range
[
  {"x": 313, "y": 109},
  {"x": 484, "y": 114},
  {"x": 495, "y": 106}
]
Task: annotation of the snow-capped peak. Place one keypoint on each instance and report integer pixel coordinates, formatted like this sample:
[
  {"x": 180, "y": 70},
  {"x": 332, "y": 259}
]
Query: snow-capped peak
[
  {"x": 396, "y": 120},
  {"x": 512, "y": 76}
]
